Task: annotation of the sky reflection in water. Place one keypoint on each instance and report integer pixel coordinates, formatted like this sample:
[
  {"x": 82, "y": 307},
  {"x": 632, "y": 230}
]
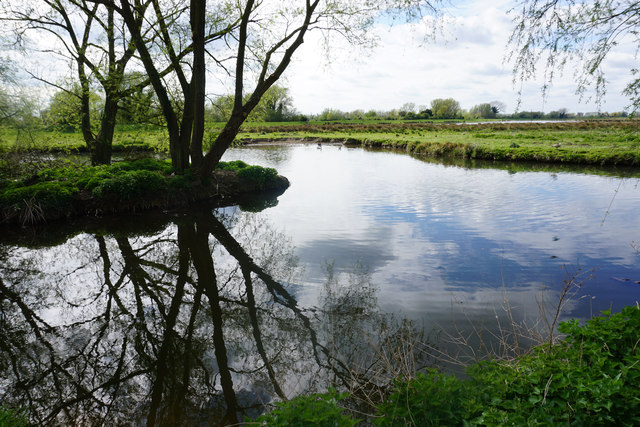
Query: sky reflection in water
[
  {"x": 434, "y": 234},
  {"x": 101, "y": 324}
]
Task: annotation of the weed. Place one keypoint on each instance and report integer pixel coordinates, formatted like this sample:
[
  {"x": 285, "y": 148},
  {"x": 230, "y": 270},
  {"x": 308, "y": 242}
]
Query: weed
[
  {"x": 257, "y": 174},
  {"x": 12, "y": 417},
  {"x": 589, "y": 378},
  {"x": 318, "y": 410},
  {"x": 128, "y": 184}
]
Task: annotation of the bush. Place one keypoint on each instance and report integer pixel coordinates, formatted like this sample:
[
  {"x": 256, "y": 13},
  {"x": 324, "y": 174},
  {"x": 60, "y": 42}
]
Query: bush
[
  {"x": 131, "y": 183},
  {"x": 12, "y": 418},
  {"x": 258, "y": 174},
  {"x": 46, "y": 194},
  {"x": 592, "y": 377},
  {"x": 431, "y": 399},
  {"x": 317, "y": 410},
  {"x": 234, "y": 165}
]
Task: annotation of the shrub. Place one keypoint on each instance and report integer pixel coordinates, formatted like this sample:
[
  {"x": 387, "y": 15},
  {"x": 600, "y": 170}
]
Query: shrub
[
  {"x": 592, "y": 377},
  {"x": 130, "y": 183},
  {"x": 12, "y": 418},
  {"x": 431, "y": 399},
  {"x": 258, "y": 174},
  {"x": 181, "y": 181},
  {"x": 234, "y": 165},
  {"x": 46, "y": 194},
  {"x": 317, "y": 410}
]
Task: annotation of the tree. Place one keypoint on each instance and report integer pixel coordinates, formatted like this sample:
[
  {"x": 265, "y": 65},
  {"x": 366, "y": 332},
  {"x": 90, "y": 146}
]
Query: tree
[
  {"x": 93, "y": 39},
  {"x": 249, "y": 41},
  {"x": 139, "y": 106},
  {"x": 275, "y": 105},
  {"x": 483, "y": 111},
  {"x": 445, "y": 108},
  {"x": 65, "y": 112},
  {"x": 562, "y": 113},
  {"x": 329, "y": 114},
  {"x": 558, "y": 32},
  {"x": 498, "y": 107},
  {"x": 221, "y": 108},
  {"x": 407, "y": 107},
  {"x": 16, "y": 107}
]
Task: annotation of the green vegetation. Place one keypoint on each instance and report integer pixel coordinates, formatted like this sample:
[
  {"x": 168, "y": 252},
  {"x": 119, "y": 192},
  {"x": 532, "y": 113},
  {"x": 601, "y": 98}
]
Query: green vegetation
[
  {"x": 317, "y": 410},
  {"x": 591, "y": 377},
  {"x": 128, "y": 138},
  {"x": 597, "y": 142},
  {"x": 52, "y": 191},
  {"x": 12, "y": 418},
  {"x": 257, "y": 174}
]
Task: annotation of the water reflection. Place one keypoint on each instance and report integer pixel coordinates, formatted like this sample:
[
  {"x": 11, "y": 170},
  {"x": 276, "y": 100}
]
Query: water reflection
[
  {"x": 437, "y": 231},
  {"x": 193, "y": 322},
  {"x": 207, "y": 316}
]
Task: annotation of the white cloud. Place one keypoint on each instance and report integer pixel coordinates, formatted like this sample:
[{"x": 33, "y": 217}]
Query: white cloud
[{"x": 466, "y": 63}]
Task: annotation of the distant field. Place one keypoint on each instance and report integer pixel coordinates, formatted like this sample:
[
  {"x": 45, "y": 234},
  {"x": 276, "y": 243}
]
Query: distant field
[
  {"x": 587, "y": 142},
  {"x": 147, "y": 138},
  {"x": 595, "y": 142}
]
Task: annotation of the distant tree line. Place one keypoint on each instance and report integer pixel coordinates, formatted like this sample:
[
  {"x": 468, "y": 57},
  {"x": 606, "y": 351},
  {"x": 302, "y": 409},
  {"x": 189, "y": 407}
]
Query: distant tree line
[
  {"x": 449, "y": 109},
  {"x": 63, "y": 112}
]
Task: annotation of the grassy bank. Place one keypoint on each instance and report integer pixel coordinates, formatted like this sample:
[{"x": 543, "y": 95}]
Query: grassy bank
[
  {"x": 591, "y": 377},
  {"x": 66, "y": 189},
  {"x": 601, "y": 142},
  {"x": 126, "y": 139},
  {"x": 595, "y": 142}
]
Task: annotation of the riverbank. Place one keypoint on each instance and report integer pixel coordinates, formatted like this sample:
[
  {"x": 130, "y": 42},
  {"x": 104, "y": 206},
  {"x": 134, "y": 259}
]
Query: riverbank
[
  {"x": 70, "y": 190},
  {"x": 586, "y": 142},
  {"x": 591, "y": 377},
  {"x": 598, "y": 142}
]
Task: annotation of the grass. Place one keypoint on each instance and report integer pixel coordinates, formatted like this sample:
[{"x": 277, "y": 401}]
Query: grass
[
  {"x": 591, "y": 377},
  {"x": 51, "y": 189},
  {"x": 126, "y": 139},
  {"x": 591, "y": 142},
  {"x": 12, "y": 418},
  {"x": 598, "y": 142}
]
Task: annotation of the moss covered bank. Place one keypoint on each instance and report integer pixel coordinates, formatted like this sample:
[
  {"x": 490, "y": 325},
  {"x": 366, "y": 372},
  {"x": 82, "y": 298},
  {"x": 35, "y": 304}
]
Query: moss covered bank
[{"x": 70, "y": 190}]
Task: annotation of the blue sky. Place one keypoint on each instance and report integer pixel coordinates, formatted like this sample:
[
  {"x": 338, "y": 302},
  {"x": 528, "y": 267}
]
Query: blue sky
[{"x": 466, "y": 62}]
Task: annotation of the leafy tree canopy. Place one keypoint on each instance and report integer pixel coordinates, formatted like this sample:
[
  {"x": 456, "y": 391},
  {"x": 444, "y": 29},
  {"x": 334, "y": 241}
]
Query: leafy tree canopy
[
  {"x": 559, "y": 32},
  {"x": 447, "y": 108},
  {"x": 64, "y": 111}
]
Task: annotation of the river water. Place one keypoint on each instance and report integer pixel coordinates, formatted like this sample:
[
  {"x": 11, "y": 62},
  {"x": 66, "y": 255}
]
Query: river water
[{"x": 370, "y": 265}]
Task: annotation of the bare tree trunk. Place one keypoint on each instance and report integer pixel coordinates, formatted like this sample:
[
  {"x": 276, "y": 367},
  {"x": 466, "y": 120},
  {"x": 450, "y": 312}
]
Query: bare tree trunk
[
  {"x": 265, "y": 81},
  {"x": 134, "y": 24},
  {"x": 198, "y": 80},
  {"x": 102, "y": 144}
]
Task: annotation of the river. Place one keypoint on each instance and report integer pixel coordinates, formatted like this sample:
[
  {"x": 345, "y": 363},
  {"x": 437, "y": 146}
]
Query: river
[{"x": 370, "y": 265}]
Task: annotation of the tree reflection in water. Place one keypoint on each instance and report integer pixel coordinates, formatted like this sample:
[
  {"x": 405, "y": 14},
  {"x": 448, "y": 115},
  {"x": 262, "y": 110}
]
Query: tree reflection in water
[{"x": 194, "y": 323}]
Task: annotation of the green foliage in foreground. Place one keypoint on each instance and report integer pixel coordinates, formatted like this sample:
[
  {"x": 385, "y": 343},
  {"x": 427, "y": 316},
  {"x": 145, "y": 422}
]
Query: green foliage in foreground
[
  {"x": 317, "y": 410},
  {"x": 592, "y": 377},
  {"x": 257, "y": 174},
  {"x": 53, "y": 189},
  {"x": 12, "y": 418}
]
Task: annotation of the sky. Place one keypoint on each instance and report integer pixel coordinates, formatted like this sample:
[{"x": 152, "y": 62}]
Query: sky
[{"x": 466, "y": 62}]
